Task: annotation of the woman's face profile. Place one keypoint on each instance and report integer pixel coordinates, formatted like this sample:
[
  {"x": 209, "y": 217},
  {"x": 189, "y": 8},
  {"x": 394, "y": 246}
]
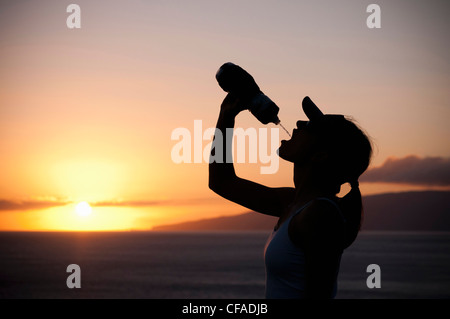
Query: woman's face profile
[{"x": 300, "y": 146}]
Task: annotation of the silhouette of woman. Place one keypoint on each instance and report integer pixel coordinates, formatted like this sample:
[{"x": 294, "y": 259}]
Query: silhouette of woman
[{"x": 303, "y": 253}]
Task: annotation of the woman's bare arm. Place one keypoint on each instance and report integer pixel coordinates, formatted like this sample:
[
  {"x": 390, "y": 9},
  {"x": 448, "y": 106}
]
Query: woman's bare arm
[{"x": 222, "y": 176}]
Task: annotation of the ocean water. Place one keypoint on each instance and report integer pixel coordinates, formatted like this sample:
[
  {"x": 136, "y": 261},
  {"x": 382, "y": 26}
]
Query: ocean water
[{"x": 207, "y": 265}]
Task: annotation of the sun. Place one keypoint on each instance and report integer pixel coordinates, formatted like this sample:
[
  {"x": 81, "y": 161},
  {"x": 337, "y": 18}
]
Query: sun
[{"x": 83, "y": 209}]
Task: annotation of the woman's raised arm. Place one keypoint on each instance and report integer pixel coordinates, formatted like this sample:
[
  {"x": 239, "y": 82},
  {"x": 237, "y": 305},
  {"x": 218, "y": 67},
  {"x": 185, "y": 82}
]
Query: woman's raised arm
[{"x": 222, "y": 176}]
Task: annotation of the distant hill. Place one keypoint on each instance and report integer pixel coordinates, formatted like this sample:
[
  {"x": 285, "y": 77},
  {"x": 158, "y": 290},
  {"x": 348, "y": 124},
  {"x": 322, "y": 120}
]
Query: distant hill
[
  {"x": 246, "y": 221},
  {"x": 408, "y": 211},
  {"x": 426, "y": 211}
]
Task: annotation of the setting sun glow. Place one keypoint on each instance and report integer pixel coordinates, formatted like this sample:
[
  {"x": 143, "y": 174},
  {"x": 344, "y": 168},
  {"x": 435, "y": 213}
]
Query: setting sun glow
[
  {"x": 89, "y": 117},
  {"x": 83, "y": 209}
]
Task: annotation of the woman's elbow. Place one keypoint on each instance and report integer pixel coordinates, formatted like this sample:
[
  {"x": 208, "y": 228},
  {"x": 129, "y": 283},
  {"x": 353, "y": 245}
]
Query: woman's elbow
[
  {"x": 215, "y": 181},
  {"x": 214, "y": 186},
  {"x": 220, "y": 186}
]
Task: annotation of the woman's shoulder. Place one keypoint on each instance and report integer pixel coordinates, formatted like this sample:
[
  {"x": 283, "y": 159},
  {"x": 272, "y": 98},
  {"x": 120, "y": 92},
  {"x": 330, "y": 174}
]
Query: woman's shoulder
[
  {"x": 320, "y": 210},
  {"x": 321, "y": 222}
]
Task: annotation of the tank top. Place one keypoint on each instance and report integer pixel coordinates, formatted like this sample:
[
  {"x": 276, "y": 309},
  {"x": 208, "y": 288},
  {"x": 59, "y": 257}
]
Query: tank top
[{"x": 285, "y": 263}]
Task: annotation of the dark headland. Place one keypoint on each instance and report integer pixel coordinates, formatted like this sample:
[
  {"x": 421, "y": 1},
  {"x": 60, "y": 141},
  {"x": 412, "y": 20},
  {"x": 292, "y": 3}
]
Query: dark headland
[{"x": 406, "y": 211}]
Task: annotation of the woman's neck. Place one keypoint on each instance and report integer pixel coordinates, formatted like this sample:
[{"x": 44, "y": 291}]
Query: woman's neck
[
  {"x": 307, "y": 188},
  {"x": 303, "y": 195}
]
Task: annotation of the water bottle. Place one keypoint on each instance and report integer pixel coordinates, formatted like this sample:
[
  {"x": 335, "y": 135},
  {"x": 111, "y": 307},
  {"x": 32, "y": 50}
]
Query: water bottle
[{"x": 234, "y": 79}]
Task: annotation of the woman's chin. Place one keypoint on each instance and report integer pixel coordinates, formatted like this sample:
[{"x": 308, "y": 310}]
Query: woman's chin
[{"x": 282, "y": 154}]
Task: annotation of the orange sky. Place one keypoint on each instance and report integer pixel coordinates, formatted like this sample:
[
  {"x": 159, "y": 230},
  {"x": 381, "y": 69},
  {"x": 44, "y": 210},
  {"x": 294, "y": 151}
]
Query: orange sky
[{"x": 87, "y": 114}]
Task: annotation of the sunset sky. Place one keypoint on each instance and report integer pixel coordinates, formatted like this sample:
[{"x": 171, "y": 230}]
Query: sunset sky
[{"x": 87, "y": 114}]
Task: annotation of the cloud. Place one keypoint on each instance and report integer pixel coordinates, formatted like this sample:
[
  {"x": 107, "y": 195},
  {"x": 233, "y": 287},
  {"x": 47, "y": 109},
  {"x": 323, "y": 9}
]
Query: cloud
[
  {"x": 6, "y": 205},
  {"x": 142, "y": 203},
  {"x": 146, "y": 203},
  {"x": 414, "y": 170},
  {"x": 10, "y": 205}
]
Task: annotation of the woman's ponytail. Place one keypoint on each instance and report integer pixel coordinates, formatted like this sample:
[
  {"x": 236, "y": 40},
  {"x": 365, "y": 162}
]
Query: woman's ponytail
[
  {"x": 352, "y": 209},
  {"x": 349, "y": 152}
]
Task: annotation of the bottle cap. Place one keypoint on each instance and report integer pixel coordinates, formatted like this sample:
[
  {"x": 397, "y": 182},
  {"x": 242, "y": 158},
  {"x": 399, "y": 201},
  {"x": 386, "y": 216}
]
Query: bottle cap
[{"x": 276, "y": 120}]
